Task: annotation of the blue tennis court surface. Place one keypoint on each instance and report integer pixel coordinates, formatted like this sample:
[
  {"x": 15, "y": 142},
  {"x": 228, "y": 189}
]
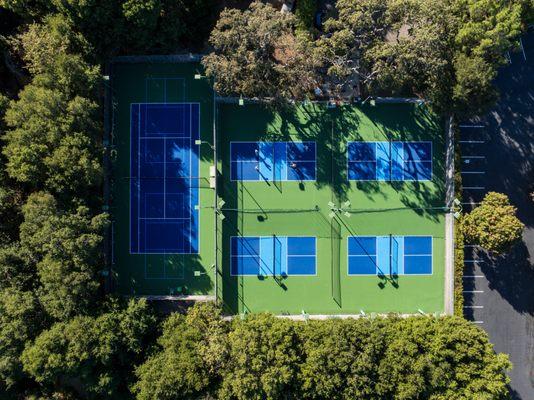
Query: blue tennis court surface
[
  {"x": 390, "y": 255},
  {"x": 390, "y": 161},
  {"x": 163, "y": 166},
  {"x": 273, "y": 161},
  {"x": 273, "y": 255}
]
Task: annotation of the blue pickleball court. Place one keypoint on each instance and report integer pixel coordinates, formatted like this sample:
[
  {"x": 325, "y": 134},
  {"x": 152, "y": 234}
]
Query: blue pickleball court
[
  {"x": 273, "y": 255},
  {"x": 164, "y": 164},
  {"x": 273, "y": 161},
  {"x": 390, "y": 255},
  {"x": 389, "y": 161}
]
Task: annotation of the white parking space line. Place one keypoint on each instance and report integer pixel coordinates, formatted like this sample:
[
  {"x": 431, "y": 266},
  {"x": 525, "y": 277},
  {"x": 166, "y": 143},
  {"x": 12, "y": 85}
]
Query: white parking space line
[
  {"x": 522, "y": 49},
  {"x": 472, "y": 141},
  {"x": 473, "y": 172},
  {"x": 473, "y": 291},
  {"x": 471, "y": 126},
  {"x": 471, "y": 245},
  {"x": 473, "y": 156},
  {"x": 474, "y": 261},
  {"x": 473, "y": 306},
  {"x": 474, "y": 187},
  {"x": 473, "y": 276},
  {"x": 477, "y": 322}
]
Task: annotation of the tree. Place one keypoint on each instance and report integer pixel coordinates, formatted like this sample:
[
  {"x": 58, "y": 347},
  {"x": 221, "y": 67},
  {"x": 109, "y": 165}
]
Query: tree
[
  {"x": 341, "y": 358},
  {"x": 51, "y": 143},
  {"x": 16, "y": 269},
  {"x": 493, "y": 224},
  {"x": 440, "y": 359},
  {"x": 257, "y": 54},
  {"x": 65, "y": 248},
  {"x": 264, "y": 354},
  {"x": 474, "y": 90},
  {"x": 423, "y": 48},
  {"x": 92, "y": 356},
  {"x": 191, "y": 357},
  {"x": 20, "y": 320}
]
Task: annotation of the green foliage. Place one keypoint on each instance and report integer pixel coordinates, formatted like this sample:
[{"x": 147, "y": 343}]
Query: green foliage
[
  {"x": 440, "y": 359},
  {"x": 100, "y": 22},
  {"x": 493, "y": 224},
  {"x": 305, "y": 14},
  {"x": 256, "y": 54},
  {"x": 28, "y": 9},
  {"x": 51, "y": 143},
  {"x": 91, "y": 356},
  {"x": 341, "y": 358},
  {"x": 459, "y": 265},
  {"x": 66, "y": 249},
  {"x": 16, "y": 270},
  {"x": 20, "y": 320},
  {"x": 192, "y": 351},
  {"x": 489, "y": 28},
  {"x": 264, "y": 357},
  {"x": 264, "y": 353},
  {"x": 445, "y": 51}
]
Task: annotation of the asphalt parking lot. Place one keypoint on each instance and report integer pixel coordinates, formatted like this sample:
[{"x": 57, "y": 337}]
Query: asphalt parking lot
[{"x": 498, "y": 155}]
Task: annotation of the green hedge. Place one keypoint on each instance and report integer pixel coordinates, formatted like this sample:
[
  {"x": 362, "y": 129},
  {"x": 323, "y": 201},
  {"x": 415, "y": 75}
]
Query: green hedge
[{"x": 458, "y": 235}]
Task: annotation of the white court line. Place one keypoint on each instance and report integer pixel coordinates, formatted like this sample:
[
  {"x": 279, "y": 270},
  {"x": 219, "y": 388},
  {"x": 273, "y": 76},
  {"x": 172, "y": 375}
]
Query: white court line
[
  {"x": 471, "y": 126},
  {"x": 472, "y": 172},
  {"x": 473, "y": 291},
  {"x": 472, "y": 141},
  {"x": 522, "y": 49},
  {"x": 473, "y": 156},
  {"x": 474, "y": 187},
  {"x": 473, "y": 306}
]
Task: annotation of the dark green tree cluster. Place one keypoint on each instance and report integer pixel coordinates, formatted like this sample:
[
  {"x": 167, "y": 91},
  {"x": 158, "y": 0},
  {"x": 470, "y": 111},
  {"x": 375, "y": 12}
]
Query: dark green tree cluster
[
  {"x": 126, "y": 26},
  {"x": 264, "y": 357},
  {"x": 59, "y": 337}
]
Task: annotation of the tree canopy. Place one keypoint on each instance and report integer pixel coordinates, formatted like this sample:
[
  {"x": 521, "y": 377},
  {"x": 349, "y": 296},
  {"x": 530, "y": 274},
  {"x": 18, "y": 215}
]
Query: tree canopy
[
  {"x": 257, "y": 54},
  {"x": 493, "y": 224},
  {"x": 264, "y": 357}
]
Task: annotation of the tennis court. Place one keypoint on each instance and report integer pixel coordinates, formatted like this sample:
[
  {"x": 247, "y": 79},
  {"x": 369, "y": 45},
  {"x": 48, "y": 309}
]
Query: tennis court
[
  {"x": 306, "y": 209},
  {"x": 164, "y": 163}
]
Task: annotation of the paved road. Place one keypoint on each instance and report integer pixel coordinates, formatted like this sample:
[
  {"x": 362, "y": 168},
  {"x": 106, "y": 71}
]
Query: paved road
[{"x": 498, "y": 151}]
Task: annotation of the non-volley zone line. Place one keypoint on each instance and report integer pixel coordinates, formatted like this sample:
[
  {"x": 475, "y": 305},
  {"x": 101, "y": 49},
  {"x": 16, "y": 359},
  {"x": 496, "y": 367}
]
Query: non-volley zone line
[
  {"x": 273, "y": 255},
  {"x": 164, "y": 161},
  {"x": 273, "y": 161}
]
